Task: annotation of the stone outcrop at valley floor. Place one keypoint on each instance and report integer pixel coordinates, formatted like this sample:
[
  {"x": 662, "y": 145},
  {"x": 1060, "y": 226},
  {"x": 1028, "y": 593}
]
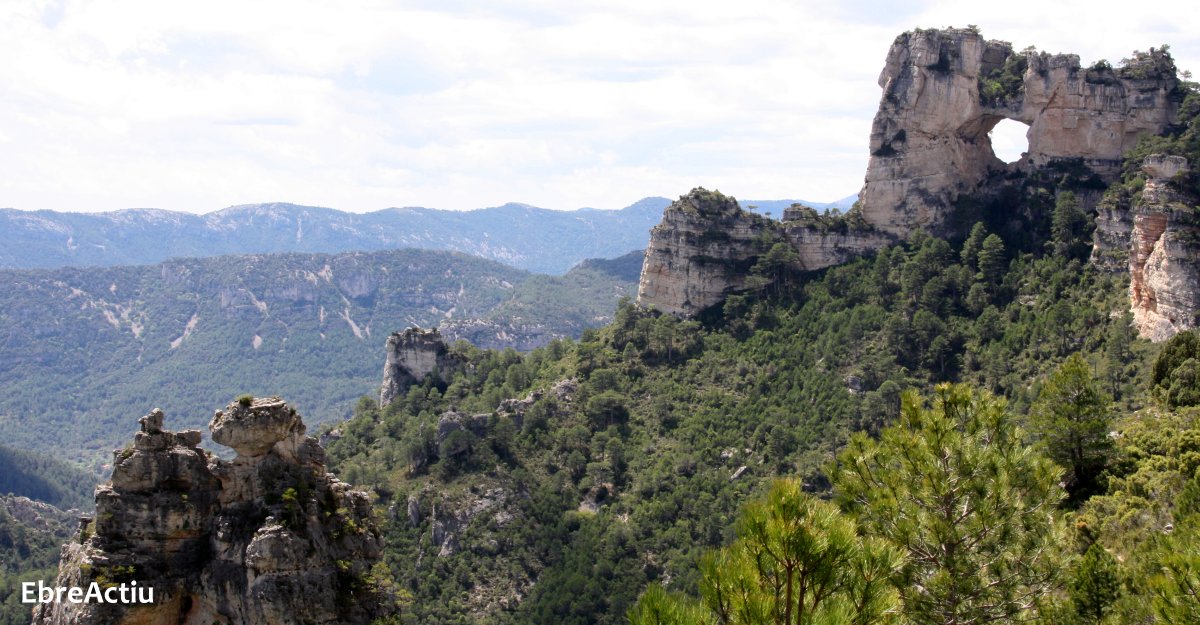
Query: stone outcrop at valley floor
[{"x": 266, "y": 538}]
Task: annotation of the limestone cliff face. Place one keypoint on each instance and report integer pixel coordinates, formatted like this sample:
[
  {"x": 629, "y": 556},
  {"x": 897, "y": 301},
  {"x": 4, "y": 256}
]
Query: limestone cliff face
[
  {"x": 412, "y": 355},
  {"x": 943, "y": 92},
  {"x": 700, "y": 253},
  {"x": 266, "y": 538},
  {"x": 1164, "y": 256},
  {"x": 929, "y": 140},
  {"x": 819, "y": 244},
  {"x": 705, "y": 246}
]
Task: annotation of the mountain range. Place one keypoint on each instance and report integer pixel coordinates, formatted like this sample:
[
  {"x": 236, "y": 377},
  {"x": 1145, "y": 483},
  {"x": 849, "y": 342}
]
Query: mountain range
[{"x": 535, "y": 239}]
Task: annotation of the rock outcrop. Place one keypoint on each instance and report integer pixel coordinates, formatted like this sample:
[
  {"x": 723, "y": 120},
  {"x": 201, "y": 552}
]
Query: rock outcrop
[
  {"x": 706, "y": 245},
  {"x": 700, "y": 253},
  {"x": 411, "y": 356},
  {"x": 1164, "y": 251},
  {"x": 932, "y": 168},
  {"x": 944, "y": 91},
  {"x": 266, "y": 538}
]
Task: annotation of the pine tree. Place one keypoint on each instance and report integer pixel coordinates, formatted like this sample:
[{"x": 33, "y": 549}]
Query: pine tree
[
  {"x": 1071, "y": 418},
  {"x": 1176, "y": 590},
  {"x": 1068, "y": 227},
  {"x": 992, "y": 264},
  {"x": 797, "y": 560},
  {"x": 953, "y": 487},
  {"x": 971, "y": 247},
  {"x": 1095, "y": 585},
  {"x": 1117, "y": 354}
]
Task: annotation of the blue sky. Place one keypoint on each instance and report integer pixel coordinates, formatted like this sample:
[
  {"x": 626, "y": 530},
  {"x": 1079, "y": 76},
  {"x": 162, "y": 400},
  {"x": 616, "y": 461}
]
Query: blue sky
[{"x": 453, "y": 104}]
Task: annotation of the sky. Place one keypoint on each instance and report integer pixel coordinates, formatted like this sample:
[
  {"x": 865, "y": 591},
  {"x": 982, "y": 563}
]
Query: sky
[{"x": 363, "y": 105}]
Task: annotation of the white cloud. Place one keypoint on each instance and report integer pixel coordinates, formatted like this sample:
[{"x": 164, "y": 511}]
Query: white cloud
[{"x": 108, "y": 104}]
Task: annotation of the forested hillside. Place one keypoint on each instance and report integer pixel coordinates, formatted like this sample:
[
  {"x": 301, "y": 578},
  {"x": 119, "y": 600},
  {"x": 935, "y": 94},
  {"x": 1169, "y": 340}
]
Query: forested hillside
[
  {"x": 31, "y": 536},
  {"x": 634, "y": 448},
  {"x": 45, "y": 478},
  {"x": 85, "y": 350}
]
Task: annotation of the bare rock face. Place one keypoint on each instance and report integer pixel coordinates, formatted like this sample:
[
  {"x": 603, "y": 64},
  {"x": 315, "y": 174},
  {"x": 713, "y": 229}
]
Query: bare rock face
[
  {"x": 944, "y": 90},
  {"x": 819, "y": 244},
  {"x": 705, "y": 246},
  {"x": 1164, "y": 256},
  {"x": 700, "y": 253},
  {"x": 412, "y": 355},
  {"x": 267, "y": 538},
  {"x": 252, "y": 428}
]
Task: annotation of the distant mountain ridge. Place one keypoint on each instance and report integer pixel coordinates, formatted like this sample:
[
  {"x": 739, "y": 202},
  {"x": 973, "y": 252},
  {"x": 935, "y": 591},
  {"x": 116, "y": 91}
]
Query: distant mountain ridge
[{"x": 519, "y": 235}]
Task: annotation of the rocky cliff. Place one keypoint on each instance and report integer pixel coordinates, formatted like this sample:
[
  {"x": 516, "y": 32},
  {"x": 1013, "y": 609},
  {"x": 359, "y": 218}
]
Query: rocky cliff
[
  {"x": 932, "y": 168},
  {"x": 411, "y": 356},
  {"x": 1164, "y": 250},
  {"x": 268, "y": 537},
  {"x": 706, "y": 247},
  {"x": 700, "y": 253},
  {"x": 944, "y": 91}
]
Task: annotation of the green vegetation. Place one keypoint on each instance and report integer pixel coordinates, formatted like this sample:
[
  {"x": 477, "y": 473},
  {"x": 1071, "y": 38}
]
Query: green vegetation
[
  {"x": 29, "y": 551},
  {"x": 1071, "y": 419},
  {"x": 1005, "y": 84},
  {"x": 954, "y": 486},
  {"x": 43, "y": 478},
  {"x": 567, "y": 509},
  {"x": 92, "y": 349},
  {"x": 797, "y": 560}
]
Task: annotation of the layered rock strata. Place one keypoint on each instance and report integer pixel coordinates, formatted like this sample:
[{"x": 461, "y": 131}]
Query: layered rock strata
[
  {"x": 705, "y": 247},
  {"x": 411, "y": 356},
  {"x": 1164, "y": 251},
  {"x": 266, "y": 538},
  {"x": 944, "y": 91},
  {"x": 700, "y": 253}
]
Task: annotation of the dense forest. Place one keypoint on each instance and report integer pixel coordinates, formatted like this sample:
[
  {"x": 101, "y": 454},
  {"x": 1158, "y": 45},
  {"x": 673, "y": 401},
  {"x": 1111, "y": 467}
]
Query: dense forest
[
  {"x": 44, "y": 478},
  {"x": 638, "y": 444}
]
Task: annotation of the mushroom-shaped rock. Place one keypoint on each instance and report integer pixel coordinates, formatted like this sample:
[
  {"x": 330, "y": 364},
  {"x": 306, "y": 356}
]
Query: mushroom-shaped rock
[{"x": 253, "y": 427}]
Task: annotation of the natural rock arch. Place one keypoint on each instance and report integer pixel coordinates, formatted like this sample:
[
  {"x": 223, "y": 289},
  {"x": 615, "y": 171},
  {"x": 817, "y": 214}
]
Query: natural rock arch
[{"x": 943, "y": 90}]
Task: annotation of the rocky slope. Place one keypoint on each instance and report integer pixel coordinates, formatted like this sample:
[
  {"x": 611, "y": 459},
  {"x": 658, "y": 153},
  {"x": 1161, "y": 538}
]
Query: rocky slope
[
  {"x": 31, "y": 533},
  {"x": 268, "y": 537}
]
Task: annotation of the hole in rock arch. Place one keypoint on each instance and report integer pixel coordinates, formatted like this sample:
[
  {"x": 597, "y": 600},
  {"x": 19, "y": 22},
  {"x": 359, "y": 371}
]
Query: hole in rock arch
[{"x": 1009, "y": 140}]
